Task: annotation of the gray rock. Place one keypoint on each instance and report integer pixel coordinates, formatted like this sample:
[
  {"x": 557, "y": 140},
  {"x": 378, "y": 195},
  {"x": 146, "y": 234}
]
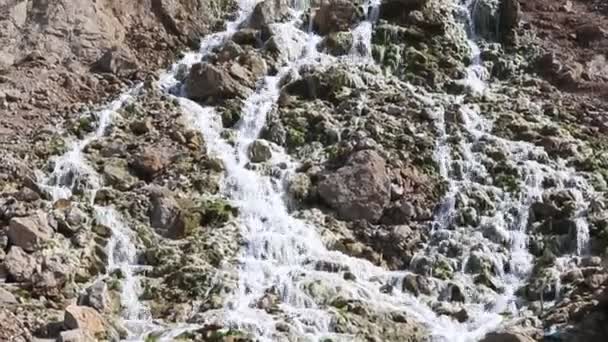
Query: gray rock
[
  {"x": 335, "y": 16},
  {"x": 337, "y": 43},
  {"x": 164, "y": 211},
  {"x": 96, "y": 297},
  {"x": 360, "y": 189},
  {"x": 269, "y": 11},
  {"x": 416, "y": 284},
  {"x": 52, "y": 276},
  {"x": 117, "y": 175},
  {"x": 116, "y": 61},
  {"x": 29, "y": 232},
  {"x": 399, "y": 212},
  {"x": 259, "y": 151},
  {"x": 206, "y": 80},
  {"x": 19, "y": 265},
  {"x": 7, "y": 297}
]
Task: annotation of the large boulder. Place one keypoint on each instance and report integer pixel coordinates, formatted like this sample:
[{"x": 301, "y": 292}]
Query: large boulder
[
  {"x": 233, "y": 74},
  {"x": 336, "y": 16},
  {"x": 29, "y": 232},
  {"x": 84, "y": 318},
  {"x": 269, "y": 11},
  {"x": 116, "y": 61},
  {"x": 19, "y": 265},
  {"x": 53, "y": 274},
  {"x": 207, "y": 80},
  {"x": 360, "y": 190},
  {"x": 148, "y": 163},
  {"x": 259, "y": 151}
]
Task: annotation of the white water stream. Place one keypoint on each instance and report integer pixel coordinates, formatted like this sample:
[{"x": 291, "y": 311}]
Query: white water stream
[{"x": 282, "y": 253}]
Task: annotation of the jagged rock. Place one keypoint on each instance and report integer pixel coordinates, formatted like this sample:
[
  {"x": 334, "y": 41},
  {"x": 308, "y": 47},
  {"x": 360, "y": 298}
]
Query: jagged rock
[
  {"x": 116, "y": 61},
  {"x": 399, "y": 212},
  {"x": 164, "y": 212},
  {"x": 259, "y": 151},
  {"x": 12, "y": 329},
  {"x": 234, "y": 78},
  {"x": 506, "y": 337},
  {"x": 116, "y": 174},
  {"x": 360, "y": 189},
  {"x": 269, "y": 11},
  {"x": 19, "y": 265},
  {"x": 416, "y": 284},
  {"x": 335, "y": 16},
  {"x": 337, "y": 43},
  {"x": 148, "y": 163},
  {"x": 29, "y": 232},
  {"x": 206, "y": 80},
  {"x": 52, "y": 276},
  {"x": 84, "y": 318},
  {"x": 96, "y": 297}
]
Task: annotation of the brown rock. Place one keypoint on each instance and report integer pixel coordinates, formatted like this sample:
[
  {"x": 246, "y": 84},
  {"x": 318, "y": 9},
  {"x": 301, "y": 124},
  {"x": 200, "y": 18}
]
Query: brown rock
[
  {"x": 206, "y": 80},
  {"x": 267, "y": 12},
  {"x": 359, "y": 190},
  {"x": 149, "y": 163},
  {"x": 116, "y": 61},
  {"x": 84, "y": 318},
  {"x": 29, "y": 232},
  {"x": 19, "y": 265}
]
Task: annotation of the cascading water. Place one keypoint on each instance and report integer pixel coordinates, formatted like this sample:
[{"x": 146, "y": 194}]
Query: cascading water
[
  {"x": 362, "y": 33},
  {"x": 282, "y": 252},
  {"x": 72, "y": 174}
]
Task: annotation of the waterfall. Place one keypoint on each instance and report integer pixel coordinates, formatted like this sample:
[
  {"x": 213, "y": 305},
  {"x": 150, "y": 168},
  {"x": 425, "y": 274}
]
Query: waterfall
[
  {"x": 72, "y": 173},
  {"x": 281, "y": 252}
]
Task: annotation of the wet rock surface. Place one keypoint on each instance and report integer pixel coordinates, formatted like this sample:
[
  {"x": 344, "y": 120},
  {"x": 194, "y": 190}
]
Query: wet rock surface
[{"x": 383, "y": 185}]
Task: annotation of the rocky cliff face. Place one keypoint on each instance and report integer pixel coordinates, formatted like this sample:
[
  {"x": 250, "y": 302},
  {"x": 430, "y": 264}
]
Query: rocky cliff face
[
  {"x": 396, "y": 170},
  {"x": 63, "y": 56}
]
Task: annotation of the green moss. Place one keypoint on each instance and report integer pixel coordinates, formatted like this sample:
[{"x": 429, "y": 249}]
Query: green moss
[
  {"x": 443, "y": 270},
  {"x": 295, "y": 138}
]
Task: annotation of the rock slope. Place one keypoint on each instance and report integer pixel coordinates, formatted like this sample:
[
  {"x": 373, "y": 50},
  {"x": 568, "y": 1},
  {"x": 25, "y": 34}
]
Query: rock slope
[{"x": 401, "y": 170}]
